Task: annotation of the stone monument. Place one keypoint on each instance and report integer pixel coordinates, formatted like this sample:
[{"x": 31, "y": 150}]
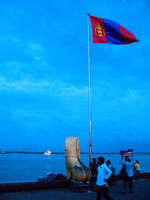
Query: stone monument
[{"x": 76, "y": 170}]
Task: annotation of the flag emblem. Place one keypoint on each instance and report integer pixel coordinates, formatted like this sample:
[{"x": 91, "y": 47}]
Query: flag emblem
[{"x": 99, "y": 30}]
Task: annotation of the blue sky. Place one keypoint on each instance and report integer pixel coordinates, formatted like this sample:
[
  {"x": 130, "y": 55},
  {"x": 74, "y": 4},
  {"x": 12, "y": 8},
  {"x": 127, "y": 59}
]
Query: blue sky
[{"x": 44, "y": 76}]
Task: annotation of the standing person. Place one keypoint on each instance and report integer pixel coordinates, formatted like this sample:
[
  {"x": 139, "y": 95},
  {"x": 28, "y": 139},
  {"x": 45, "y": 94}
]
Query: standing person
[
  {"x": 101, "y": 184},
  {"x": 123, "y": 173},
  {"x": 109, "y": 165},
  {"x": 137, "y": 167},
  {"x": 129, "y": 167},
  {"x": 94, "y": 167},
  {"x": 111, "y": 178}
]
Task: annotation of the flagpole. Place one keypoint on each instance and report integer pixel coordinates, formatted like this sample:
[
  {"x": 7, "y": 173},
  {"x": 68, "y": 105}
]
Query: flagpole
[{"x": 89, "y": 71}]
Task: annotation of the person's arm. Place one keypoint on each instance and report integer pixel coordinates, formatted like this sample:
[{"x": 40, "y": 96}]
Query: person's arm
[
  {"x": 133, "y": 160},
  {"x": 108, "y": 172},
  {"x": 122, "y": 160}
]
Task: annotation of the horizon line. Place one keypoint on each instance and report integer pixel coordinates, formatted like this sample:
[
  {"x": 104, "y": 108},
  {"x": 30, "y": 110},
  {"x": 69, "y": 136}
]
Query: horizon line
[{"x": 63, "y": 152}]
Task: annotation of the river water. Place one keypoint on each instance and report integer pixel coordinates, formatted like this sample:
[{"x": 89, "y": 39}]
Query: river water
[{"x": 30, "y": 167}]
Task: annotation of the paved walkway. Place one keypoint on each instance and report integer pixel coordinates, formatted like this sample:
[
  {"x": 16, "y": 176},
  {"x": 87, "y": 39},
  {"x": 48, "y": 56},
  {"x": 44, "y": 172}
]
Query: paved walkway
[{"x": 141, "y": 192}]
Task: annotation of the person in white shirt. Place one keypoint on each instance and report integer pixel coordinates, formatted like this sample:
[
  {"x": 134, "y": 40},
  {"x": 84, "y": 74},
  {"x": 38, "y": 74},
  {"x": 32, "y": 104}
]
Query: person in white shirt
[
  {"x": 128, "y": 180},
  {"x": 101, "y": 184}
]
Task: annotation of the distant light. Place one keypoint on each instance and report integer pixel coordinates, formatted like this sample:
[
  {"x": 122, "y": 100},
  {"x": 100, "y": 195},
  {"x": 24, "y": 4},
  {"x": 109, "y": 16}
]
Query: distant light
[{"x": 47, "y": 153}]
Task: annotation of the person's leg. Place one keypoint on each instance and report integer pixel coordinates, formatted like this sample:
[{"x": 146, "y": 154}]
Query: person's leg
[
  {"x": 130, "y": 184},
  {"x": 124, "y": 184},
  {"x": 99, "y": 192},
  {"x": 105, "y": 193}
]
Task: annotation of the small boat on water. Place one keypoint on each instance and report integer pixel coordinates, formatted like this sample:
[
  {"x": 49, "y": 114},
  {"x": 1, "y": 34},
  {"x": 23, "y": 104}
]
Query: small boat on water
[
  {"x": 2, "y": 152},
  {"x": 47, "y": 153}
]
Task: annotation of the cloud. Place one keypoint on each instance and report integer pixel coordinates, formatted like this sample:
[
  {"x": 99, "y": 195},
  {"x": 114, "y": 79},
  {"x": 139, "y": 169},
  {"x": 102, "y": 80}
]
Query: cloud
[
  {"x": 44, "y": 86},
  {"x": 131, "y": 96},
  {"x": 44, "y": 69},
  {"x": 35, "y": 50}
]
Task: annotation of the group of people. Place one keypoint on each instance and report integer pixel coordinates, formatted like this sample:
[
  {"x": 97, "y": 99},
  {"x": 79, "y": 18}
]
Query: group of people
[
  {"x": 94, "y": 166},
  {"x": 129, "y": 168},
  {"x": 104, "y": 172}
]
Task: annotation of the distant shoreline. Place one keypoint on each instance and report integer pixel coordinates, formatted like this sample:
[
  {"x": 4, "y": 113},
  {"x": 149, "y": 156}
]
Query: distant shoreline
[{"x": 105, "y": 153}]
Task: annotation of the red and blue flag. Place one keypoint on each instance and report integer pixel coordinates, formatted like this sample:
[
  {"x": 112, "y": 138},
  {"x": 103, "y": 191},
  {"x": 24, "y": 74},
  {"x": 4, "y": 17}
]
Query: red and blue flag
[{"x": 107, "y": 31}]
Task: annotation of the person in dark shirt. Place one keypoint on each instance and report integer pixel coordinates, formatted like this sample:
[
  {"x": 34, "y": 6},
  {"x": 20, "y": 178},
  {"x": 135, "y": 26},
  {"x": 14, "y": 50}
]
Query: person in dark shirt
[
  {"x": 109, "y": 165},
  {"x": 94, "y": 167}
]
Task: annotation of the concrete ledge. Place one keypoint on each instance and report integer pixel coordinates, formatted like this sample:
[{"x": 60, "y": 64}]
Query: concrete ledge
[{"x": 16, "y": 187}]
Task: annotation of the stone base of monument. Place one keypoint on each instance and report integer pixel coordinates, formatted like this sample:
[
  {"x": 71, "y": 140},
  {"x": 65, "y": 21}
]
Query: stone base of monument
[{"x": 81, "y": 187}]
